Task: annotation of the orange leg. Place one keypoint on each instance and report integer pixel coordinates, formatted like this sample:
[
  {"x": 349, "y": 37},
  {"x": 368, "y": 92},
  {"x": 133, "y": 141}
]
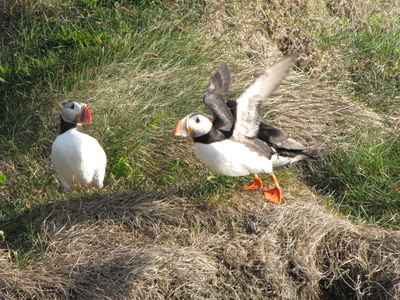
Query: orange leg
[
  {"x": 274, "y": 194},
  {"x": 256, "y": 184}
]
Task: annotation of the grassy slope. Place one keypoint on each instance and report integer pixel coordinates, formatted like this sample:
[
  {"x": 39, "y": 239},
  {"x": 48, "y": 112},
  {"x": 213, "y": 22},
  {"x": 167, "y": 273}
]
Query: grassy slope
[
  {"x": 73, "y": 50},
  {"x": 55, "y": 51}
]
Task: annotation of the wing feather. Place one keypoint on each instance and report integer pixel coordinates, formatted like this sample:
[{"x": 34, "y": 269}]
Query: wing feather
[
  {"x": 277, "y": 138},
  {"x": 250, "y": 103},
  {"x": 216, "y": 96}
]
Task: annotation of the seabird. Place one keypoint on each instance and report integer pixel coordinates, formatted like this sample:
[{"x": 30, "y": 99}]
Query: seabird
[
  {"x": 77, "y": 158},
  {"x": 236, "y": 142}
]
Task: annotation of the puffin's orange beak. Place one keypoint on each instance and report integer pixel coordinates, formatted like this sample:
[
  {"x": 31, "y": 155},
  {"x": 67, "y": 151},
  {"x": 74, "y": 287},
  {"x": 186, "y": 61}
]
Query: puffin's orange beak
[
  {"x": 179, "y": 128},
  {"x": 86, "y": 116}
]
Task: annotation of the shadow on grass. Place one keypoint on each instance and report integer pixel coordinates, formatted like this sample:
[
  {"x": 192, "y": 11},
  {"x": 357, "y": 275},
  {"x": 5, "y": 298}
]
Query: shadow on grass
[
  {"x": 99, "y": 246},
  {"x": 140, "y": 244}
]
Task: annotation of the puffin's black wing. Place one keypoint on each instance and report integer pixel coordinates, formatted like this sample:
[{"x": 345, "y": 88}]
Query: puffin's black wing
[
  {"x": 277, "y": 138},
  {"x": 249, "y": 104},
  {"x": 216, "y": 97},
  {"x": 225, "y": 80}
]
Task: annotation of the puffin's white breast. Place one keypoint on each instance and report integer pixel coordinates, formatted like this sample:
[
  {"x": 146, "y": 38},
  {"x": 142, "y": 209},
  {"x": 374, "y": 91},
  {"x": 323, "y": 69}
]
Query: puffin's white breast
[
  {"x": 231, "y": 158},
  {"x": 78, "y": 159}
]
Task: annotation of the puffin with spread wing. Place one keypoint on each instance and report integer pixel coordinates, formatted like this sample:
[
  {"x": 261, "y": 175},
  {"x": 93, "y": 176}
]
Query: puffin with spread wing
[{"x": 236, "y": 142}]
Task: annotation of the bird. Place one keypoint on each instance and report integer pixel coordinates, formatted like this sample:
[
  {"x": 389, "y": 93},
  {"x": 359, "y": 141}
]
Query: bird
[
  {"x": 236, "y": 142},
  {"x": 77, "y": 158}
]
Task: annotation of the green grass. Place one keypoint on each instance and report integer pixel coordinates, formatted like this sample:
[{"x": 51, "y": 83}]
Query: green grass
[
  {"x": 369, "y": 58},
  {"x": 147, "y": 64},
  {"x": 364, "y": 179},
  {"x": 56, "y": 48},
  {"x": 355, "y": 43}
]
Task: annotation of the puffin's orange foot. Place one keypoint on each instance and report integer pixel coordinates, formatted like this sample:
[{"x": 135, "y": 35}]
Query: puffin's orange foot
[
  {"x": 273, "y": 195},
  {"x": 256, "y": 184}
]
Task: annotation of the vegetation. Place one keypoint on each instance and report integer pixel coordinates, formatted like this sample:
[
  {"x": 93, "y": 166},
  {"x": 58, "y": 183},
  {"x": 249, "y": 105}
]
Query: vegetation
[
  {"x": 141, "y": 66},
  {"x": 58, "y": 47},
  {"x": 372, "y": 59},
  {"x": 363, "y": 179}
]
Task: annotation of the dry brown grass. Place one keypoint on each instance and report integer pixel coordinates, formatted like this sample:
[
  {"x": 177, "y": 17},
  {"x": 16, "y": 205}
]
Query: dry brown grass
[{"x": 145, "y": 246}]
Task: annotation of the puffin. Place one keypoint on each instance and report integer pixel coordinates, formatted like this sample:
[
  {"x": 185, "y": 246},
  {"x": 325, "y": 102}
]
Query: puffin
[
  {"x": 236, "y": 142},
  {"x": 77, "y": 158}
]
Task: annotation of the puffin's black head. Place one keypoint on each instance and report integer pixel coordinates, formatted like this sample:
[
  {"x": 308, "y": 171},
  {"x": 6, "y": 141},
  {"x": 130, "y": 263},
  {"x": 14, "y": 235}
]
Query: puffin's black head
[{"x": 74, "y": 113}]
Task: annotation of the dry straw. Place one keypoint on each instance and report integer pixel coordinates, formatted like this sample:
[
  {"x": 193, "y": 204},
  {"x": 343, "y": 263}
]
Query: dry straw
[{"x": 144, "y": 246}]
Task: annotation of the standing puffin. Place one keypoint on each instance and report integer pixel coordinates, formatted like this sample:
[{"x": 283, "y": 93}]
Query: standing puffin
[
  {"x": 236, "y": 142},
  {"x": 78, "y": 158}
]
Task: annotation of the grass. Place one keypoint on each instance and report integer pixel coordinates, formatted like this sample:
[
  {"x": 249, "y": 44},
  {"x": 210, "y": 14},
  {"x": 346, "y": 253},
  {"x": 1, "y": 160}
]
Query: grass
[
  {"x": 138, "y": 245},
  {"x": 57, "y": 48},
  {"x": 141, "y": 66},
  {"x": 355, "y": 43},
  {"x": 54, "y": 50},
  {"x": 363, "y": 179},
  {"x": 170, "y": 59},
  {"x": 370, "y": 54}
]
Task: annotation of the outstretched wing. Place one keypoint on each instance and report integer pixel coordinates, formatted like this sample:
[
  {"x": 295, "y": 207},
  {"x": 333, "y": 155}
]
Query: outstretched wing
[
  {"x": 216, "y": 97},
  {"x": 249, "y": 104},
  {"x": 277, "y": 138}
]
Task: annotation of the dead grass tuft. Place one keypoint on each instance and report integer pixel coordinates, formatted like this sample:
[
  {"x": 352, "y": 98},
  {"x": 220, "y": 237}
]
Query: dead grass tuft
[{"x": 145, "y": 246}]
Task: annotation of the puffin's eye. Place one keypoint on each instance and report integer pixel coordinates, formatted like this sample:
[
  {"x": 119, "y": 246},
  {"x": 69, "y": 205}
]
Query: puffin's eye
[
  {"x": 73, "y": 106},
  {"x": 197, "y": 120}
]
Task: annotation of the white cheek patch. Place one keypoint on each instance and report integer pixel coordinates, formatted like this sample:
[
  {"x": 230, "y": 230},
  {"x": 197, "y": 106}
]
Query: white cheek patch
[
  {"x": 69, "y": 115},
  {"x": 199, "y": 128}
]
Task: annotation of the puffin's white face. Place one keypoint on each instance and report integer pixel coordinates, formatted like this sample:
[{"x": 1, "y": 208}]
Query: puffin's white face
[
  {"x": 74, "y": 112},
  {"x": 195, "y": 125}
]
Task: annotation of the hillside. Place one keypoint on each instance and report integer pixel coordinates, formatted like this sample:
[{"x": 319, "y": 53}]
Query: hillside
[{"x": 164, "y": 226}]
